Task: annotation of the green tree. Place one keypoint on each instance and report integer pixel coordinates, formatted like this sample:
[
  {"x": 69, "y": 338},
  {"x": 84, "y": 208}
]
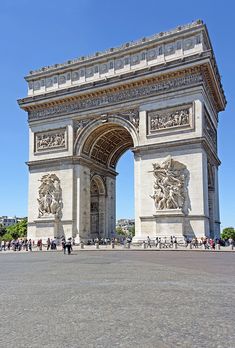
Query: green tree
[
  {"x": 18, "y": 230},
  {"x": 7, "y": 237},
  {"x": 119, "y": 231},
  {"x": 132, "y": 231},
  {"x": 2, "y": 230},
  {"x": 228, "y": 232}
]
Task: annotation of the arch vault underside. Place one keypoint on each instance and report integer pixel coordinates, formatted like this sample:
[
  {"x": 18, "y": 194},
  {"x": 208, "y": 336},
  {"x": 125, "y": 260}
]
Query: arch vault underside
[{"x": 106, "y": 144}]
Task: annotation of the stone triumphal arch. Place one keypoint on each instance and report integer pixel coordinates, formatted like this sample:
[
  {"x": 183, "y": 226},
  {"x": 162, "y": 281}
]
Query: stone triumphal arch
[{"x": 159, "y": 97}]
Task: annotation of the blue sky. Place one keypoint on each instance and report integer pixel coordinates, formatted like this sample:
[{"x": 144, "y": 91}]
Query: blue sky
[{"x": 38, "y": 33}]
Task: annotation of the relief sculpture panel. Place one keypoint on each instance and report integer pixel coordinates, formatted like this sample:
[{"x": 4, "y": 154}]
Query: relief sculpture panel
[
  {"x": 50, "y": 197},
  {"x": 171, "y": 118},
  {"x": 51, "y": 140},
  {"x": 170, "y": 185}
]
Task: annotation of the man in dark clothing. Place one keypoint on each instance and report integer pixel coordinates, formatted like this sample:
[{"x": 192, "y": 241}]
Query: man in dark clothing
[
  {"x": 48, "y": 243},
  {"x": 69, "y": 246},
  {"x": 64, "y": 245}
]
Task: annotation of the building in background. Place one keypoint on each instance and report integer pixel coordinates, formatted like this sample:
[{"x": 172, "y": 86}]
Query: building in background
[
  {"x": 126, "y": 225},
  {"x": 6, "y": 221}
]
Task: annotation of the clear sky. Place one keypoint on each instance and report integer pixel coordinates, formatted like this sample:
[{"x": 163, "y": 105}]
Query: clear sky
[{"x": 44, "y": 32}]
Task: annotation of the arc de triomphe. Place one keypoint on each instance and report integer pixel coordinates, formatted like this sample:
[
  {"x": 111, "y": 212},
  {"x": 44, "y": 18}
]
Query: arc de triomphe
[{"x": 159, "y": 97}]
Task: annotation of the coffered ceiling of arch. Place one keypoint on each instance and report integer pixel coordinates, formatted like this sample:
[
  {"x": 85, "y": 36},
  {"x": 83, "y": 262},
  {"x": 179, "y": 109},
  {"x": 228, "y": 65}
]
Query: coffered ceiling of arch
[{"x": 106, "y": 144}]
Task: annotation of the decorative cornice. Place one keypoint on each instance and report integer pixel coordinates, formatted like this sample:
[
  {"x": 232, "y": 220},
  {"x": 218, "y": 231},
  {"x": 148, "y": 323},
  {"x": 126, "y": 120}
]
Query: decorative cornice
[
  {"x": 200, "y": 141},
  {"x": 134, "y": 88},
  {"x": 70, "y": 161},
  {"x": 123, "y": 93},
  {"x": 73, "y": 160},
  {"x": 148, "y": 72}
]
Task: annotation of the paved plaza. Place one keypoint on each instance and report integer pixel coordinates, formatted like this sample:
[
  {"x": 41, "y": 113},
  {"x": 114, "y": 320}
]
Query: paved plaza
[{"x": 117, "y": 299}]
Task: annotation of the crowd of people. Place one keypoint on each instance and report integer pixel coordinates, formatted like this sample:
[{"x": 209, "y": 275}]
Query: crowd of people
[
  {"x": 106, "y": 241},
  {"x": 24, "y": 244},
  {"x": 208, "y": 243},
  {"x": 17, "y": 245}
]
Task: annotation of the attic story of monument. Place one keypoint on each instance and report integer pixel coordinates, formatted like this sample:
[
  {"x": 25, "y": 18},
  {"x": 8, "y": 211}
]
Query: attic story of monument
[{"x": 160, "y": 97}]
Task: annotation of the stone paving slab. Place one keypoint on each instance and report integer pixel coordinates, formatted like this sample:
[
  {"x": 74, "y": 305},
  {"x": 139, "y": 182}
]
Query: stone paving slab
[{"x": 117, "y": 299}]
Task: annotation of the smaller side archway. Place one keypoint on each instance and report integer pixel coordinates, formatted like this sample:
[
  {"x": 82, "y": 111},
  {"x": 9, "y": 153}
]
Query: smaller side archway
[{"x": 97, "y": 207}]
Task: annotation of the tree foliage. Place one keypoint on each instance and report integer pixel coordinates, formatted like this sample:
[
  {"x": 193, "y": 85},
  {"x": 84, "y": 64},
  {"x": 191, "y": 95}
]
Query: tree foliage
[
  {"x": 132, "y": 231},
  {"x": 7, "y": 237},
  {"x": 125, "y": 233},
  {"x": 228, "y": 232},
  {"x": 120, "y": 231},
  {"x": 2, "y": 230},
  {"x": 15, "y": 231}
]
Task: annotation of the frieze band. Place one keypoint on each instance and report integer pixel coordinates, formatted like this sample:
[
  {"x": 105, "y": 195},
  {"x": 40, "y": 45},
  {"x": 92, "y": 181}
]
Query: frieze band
[{"x": 130, "y": 94}]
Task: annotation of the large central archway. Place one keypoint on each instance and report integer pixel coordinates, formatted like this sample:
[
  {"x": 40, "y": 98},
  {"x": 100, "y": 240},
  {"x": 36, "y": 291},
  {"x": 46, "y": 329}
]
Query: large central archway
[
  {"x": 104, "y": 140},
  {"x": 100, "y": 145},
  {"x": 106, "y": 144}
]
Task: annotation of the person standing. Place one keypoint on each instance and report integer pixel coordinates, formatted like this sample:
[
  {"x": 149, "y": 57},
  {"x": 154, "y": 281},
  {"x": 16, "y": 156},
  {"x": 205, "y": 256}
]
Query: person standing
[
  {"x": 64, "y": 245},
  {"x": 26, "y": 244},
  {"x": 30, "y": 245},
  {"x": 69, "y": 246},
  {"x": 48, "y": 243}
]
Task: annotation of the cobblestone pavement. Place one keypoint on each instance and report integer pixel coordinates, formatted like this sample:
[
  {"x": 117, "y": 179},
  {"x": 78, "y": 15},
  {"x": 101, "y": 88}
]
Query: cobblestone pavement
[{"x": 117, "y": 299}]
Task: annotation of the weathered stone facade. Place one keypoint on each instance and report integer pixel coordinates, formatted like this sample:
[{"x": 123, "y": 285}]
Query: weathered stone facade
[{"x": 159, "y": 96}]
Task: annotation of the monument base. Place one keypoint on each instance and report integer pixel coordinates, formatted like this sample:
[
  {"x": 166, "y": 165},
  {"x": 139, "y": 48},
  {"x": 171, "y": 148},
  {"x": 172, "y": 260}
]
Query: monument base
[
  {"x": 46, "y": 227},
  {"x": 170, "y": 223},
  {"x": 164, "y": 224}
]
